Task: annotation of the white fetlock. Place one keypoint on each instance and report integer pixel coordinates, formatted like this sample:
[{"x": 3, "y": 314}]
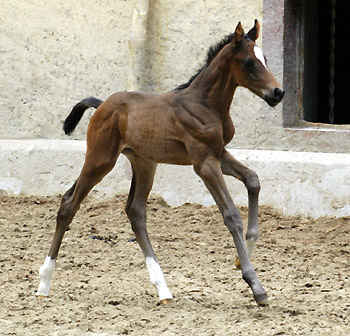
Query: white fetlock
[
  {"x": 250, "y": 243},
  {"x": 164, "y": 294},
  {"x": 156, "y": 277},
  {"x": 45, "y": 273}
]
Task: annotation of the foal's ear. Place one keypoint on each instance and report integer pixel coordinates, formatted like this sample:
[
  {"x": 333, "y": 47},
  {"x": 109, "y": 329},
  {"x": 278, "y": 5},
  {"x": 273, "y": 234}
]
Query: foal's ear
[
  {"x": 239, "y": 34},
  {"x": 253, "y": 34}
]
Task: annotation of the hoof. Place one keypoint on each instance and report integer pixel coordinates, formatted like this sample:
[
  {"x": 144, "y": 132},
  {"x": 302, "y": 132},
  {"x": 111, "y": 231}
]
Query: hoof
[
  {"x": 238, "y": 264},
  {"x": 42, "y": 292},
  {"x": 165, "y": 301},
  {"x": 41, "y": 296},
  {"x": 262, "y": 300}
]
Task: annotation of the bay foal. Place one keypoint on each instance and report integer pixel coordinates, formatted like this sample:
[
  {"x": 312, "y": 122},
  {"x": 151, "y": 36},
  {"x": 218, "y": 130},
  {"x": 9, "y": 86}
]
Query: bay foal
[{"x": 190, "y": 125}]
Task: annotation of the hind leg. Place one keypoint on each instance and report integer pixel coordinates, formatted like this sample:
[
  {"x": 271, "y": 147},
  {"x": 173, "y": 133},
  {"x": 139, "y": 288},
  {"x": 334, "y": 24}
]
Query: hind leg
[
  {"x": 142, "y": 181},
  {"x": 98, "y": 162}
]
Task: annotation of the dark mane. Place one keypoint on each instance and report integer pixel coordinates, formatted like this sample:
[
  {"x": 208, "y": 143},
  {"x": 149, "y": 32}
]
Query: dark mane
[{"x": 212, "y": 52}]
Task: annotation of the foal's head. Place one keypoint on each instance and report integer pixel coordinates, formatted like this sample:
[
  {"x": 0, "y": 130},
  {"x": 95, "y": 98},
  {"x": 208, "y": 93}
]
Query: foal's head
[{"x": 249, "y": 66}]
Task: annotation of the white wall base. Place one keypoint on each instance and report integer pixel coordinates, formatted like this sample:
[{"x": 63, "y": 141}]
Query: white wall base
[{"x": 295, "y": 183}]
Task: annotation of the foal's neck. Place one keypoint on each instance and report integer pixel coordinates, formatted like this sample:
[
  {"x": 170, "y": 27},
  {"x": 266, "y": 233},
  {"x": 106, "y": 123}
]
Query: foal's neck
[{"x": 215, "y": 84}]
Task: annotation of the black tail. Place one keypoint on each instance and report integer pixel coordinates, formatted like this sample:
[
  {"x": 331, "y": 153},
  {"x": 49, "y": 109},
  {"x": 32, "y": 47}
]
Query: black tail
[{"x": 77, "y": 112}]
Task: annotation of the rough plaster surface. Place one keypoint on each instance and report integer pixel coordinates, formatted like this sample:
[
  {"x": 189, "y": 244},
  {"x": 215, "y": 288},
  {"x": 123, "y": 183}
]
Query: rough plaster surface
[
  {"x": 309, "y": 184},
  {"x": 53, "y": 54}
]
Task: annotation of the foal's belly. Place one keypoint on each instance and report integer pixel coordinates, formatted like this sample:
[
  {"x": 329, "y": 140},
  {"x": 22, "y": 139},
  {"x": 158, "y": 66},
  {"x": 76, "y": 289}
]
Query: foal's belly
[
  {"x": 170, "y": 152},
  {"x": 154, "y": 136}
]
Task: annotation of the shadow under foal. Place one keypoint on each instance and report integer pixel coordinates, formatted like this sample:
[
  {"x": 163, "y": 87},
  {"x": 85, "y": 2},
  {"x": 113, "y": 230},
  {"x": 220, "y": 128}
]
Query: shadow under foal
[{"x": 190, "y": 125}]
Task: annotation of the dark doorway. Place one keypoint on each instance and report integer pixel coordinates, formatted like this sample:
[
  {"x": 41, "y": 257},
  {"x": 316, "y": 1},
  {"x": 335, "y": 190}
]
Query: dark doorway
[{"x": 325, "y": 32}]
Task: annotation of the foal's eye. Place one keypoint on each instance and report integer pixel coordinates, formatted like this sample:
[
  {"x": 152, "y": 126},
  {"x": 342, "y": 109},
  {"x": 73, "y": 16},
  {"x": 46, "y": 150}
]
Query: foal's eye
[{"x": 248, "y": 63}]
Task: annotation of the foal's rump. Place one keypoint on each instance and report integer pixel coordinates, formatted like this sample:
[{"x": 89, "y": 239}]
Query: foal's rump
[
  {"x": 115, "y": 103},
  {"x": 146, "y": 123}
]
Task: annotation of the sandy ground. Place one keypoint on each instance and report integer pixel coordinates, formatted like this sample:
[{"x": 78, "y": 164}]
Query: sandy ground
[{"x": 101, "y": 287}]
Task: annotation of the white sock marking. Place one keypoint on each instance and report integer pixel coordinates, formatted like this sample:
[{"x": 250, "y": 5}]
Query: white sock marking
[
  {"x": 260, "y": 56},
  {"x": 250, "y": 243},
  {"x": 46, "y": 272},
  {"x": 156, "y": 277}
]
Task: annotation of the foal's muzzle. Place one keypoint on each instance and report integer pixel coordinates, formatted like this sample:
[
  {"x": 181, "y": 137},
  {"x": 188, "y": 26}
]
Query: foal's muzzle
[{"x": 274, "y": 96}]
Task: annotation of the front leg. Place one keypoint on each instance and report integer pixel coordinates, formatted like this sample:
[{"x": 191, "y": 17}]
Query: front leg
[
  {"x": 230, "y": 166},
  {"x": 210, "y": 172}
]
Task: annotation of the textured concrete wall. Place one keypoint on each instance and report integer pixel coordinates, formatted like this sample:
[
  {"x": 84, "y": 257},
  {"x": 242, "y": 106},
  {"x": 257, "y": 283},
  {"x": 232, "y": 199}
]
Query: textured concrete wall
[
  {"x": 54, "y": 53},
  {"x": 295, "y": 183}
]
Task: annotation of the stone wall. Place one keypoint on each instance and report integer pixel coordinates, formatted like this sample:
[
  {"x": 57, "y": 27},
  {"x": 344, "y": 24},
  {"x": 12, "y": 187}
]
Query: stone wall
[
  {"x": 294, "y": 183},
  {"x": 54, "y": 53}
]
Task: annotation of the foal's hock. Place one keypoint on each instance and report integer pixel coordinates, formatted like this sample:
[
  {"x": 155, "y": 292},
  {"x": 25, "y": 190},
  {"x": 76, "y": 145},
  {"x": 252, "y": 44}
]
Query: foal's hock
[{"x": 190, "y": 125}]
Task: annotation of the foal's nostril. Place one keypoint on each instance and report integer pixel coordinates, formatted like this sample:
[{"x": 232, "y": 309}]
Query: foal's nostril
[
  {"x": 278, "y": 93},
  {"x": 274, "y": 96}
]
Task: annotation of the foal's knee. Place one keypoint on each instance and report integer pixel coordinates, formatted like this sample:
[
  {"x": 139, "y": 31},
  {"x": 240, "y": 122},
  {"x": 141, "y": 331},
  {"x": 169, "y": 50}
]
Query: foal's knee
[{"x": 252, "y": 183}]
